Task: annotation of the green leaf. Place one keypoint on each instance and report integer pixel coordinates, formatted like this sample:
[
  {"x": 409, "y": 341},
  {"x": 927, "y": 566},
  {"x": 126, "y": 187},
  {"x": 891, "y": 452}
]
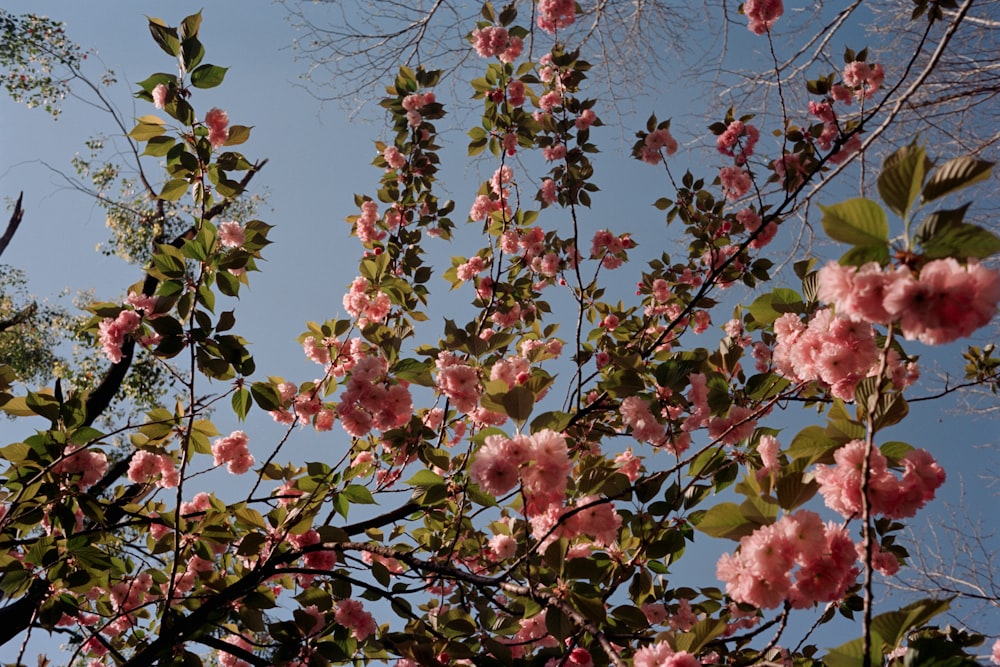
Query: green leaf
[
  {"x": 241, "y": 403},
  {"x": 238, "y": 134},
  {"x": 954, "y": 175},
  {"x": 190, "y": 25},
  {"x": 768, "y": 307},
  {"x": 902, "y": 177},
  {"x": 518, "y": 403},
  {"x": 44, "y": 405},
  {"x": 852, "y": 653},
  {"x": 425, "y": 478},
  {"x": 893, "y": 626},
  {"x": 863, "y": 254},
  {"x": 811, "y": 443},
  {"x": 208, "y": 76},
  {"x": 173, "y": 190},
  {"x": 557, "y": 624},
  {"x": 959, "y": 240},
  {"x": 146, "y": 131},
  {"x": 266, "y": 396},
  {"x": 856, "y": 221},
  {"x": 159, "y": 146},
  {"x": 165, "y": 36},
  {"x": 793, "y": 491},
  {"x": 703, "y": 632},
  {"x": 726, "y": 520},
  {"x": 359, "y": 495}
]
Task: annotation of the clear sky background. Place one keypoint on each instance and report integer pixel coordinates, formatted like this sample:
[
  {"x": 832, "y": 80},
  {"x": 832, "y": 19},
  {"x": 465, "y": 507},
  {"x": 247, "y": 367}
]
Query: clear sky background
[{"x": 318, "y": 158}]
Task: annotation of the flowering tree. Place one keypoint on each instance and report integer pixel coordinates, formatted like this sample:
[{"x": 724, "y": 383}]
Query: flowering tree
[{"x": 537, "y": 468}]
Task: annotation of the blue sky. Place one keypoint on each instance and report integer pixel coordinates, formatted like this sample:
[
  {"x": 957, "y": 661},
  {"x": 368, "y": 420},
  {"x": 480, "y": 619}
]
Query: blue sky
[{"x": 318, "y": 158}]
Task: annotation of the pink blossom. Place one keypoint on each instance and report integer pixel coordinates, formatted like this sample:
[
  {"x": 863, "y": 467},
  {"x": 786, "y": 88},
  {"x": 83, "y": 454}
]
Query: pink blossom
[
  {"x": 233, "y": 452},
  {"x": 995, "y": 654},
  {"x": 586, "y": 118},
  {"x": 460, "y": 384},
  {"x": 548, "y": 191},
  {"x": 735, "y": 182},
  {"x": 89, "y": 464},
  {"x": 352, "y": 615},
  {"x": 768, "y": 447},
  {"x": 503, "y": 547},
  {"x": 515, "y": 46},
  {"x": 789, "y": 170},
  {"x": 894, "y": 498},
  {"x": 146, "y": 466},
  {"x": 231, "y": 234},
  {"x": 515, "y": 92},
  {"x": 113, "y": 332},
  {"x": 738, "y": 140},
  {"x": 555, "y": 14},
  {"x": 554, "y": 152},
  {"x": 596, "y": 519},
  {"x": 760, "y": 572},
  {"x": 763, "y": 14},
  {"x": 865, "y": 79},
  {"x": 160, "y": 95},
  {"x": 661, "y": 655},
  {"x": 655, "y": 141},
  {"x": 493, "y": 467},
  {"x": 490, "y": 41},
  {"x": 217, "y": 122},
  {"x": 393, "y": 157}
]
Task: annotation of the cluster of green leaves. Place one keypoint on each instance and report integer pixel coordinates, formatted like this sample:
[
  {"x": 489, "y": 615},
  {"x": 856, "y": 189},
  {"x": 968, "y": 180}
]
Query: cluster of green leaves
[
  {"x": 33, "y": 49},
  {"x": 908, "y": 174}
]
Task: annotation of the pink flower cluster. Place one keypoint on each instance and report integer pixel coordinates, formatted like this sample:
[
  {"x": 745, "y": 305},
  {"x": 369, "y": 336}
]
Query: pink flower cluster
[
  {"x": 459, "y": 382},
  {"x": 113, "y": 332},
  {"x": 541, "y": 464},
  {"x": 610, "y": 248},
  {"x": 637, "y": 415},
  {"x": 760, "y": 572},
  {"x": 735, "y": 182},
  {"x": 127, "y": 597},
  {"x": 414, "y": 103},
  {"x": 661, "y": 655},
  {"x": 578, "y": 657},
  {"x": 862, "y": 79},
  {"x": 832, "y": 350},
  {"x": 371, "y": 400},
  {"x": 217, "y": 122},
  {"x": 393, "y": 157},
  {"x": 159, "y": 94},
  {"x": 763, "y": 14},
  {"x": 233, "y": 452},
  {"x": 656, "y": 141},
  {"x": 751, "y": 223},
  {"x": 352, "y": 615},
  {"x": 789, "y": 170},
  {"x": 738, "y": 141},
  {"x": 365, "y": 227},
  {"x": 555, "y": 14},
  {"x": 146, "y": 465},
  {"x": 77, "y": 460},
  {"x": 946, "y": 301},
  {"x": 471, "y": 268},
  {"x": 227, "y": 659},
  {"x": 483, "y": 206},
  {"x": 321, "y": 559},
  {"x": 888, "y": 496},
  {"x": 494, "y": 41},
  {"x": 358, "y": 304},
  {"x": 231, "y": 234}
]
